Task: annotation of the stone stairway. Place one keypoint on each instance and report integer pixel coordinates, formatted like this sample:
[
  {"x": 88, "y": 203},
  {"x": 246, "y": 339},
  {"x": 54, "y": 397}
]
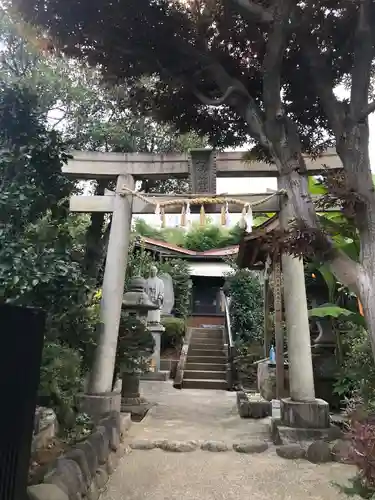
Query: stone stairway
[{"x": 206, "y": 361}]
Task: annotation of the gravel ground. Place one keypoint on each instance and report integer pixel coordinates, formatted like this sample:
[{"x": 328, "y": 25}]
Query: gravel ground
[{"x": 183, "y": 415}]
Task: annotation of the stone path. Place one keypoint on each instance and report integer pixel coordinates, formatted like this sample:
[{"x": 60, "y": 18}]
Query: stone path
[{"x": 201, "y": 415}]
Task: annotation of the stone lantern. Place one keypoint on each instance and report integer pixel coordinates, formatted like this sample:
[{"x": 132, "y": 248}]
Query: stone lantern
[{"x": 135, "y": 303}]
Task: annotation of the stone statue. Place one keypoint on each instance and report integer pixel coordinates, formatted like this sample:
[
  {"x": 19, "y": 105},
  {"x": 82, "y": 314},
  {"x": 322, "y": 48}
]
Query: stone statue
[
  {"x": 168, "y": 302},
  {"x": 155, "y": 290}
]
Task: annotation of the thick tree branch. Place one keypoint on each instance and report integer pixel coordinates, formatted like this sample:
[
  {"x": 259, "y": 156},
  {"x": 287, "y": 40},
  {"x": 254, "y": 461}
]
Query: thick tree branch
[
  {"x": 273, "y": 60},
  {"x": 370, "y": 108},
  {"x": 253, "y": 11},
  {"x": 214, "y": 102},
  {"x": 319, "y": 70},
  {"x": 363, "y": 54}
]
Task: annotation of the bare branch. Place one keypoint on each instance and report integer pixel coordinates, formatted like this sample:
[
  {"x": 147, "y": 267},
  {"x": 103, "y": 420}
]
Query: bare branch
[
  {"x": 363, "y": 54},
  {"x": 214, "y": 102},
  {"x": 254, "y": 11}
]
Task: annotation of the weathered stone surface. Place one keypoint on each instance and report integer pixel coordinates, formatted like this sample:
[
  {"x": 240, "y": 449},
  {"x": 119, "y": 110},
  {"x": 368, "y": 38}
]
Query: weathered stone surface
[
  {"x": 252, "y": 406},
  {"x": 97, "y": 405},
  {"x": 214, "y": 446},
  {"x": 110, "y": 465},
  {"x": 305, "y": 415},
  {"x": 259, "y": 408},
  {"x": 45, "y": 428},
  {"x": 112, "y": 424},
  {"x": 143, "y": 444},
  {"x": 93, "y": 492},
  {"x": 242, "y": 404},
  {"x": 100, "y": 442},
  {"x": 266, "y": 381},
  {"x": 266, "y": 377},
  {"x": 281, "y": 434},
  {"x": 178, "y": 446},
  {"x": 341, "y": 451},
  {"x": 46, "y": 492},
  {"x": 79, "y": 456},
  {"x": 319, "y": 452},
  {"x": 125, "y": 423},
  {"x": 91, "y": 457},
  {"x": 123, "y": 450},
  {"x": 291, "y": 451},
  {"x": 101, "y": 478},
  {"x": 251, "y": 447},
  {"x": 44, "y": 417},
  {"x": 68, "y": 477},
  {"x": 115, "y": 459}
]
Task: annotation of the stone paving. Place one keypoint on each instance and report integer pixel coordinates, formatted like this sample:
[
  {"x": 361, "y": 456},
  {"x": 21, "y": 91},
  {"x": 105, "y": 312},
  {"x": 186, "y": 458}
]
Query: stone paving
[{"x": 194, "y": 416}]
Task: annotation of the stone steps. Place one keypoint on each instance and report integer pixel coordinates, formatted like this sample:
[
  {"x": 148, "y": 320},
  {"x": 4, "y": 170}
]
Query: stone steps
[
  {"x": 206, "y": 360},
  {"x": 204, "y": 384},
  {"x": 205, "y": 366},
  {"x": 206, "y": 342},
  {"x": 206, "y": 374},
  {"x": 205, "y": 352}
]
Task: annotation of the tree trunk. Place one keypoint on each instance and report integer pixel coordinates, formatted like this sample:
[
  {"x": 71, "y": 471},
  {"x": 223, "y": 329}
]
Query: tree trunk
[
  {"x": 94, "y": 239},
  {"x": 353, "y": 150}
]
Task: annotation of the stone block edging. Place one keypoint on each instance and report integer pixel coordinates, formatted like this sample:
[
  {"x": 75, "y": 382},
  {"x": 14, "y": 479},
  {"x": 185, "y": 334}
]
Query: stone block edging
[{"x": 83, "y": 471}]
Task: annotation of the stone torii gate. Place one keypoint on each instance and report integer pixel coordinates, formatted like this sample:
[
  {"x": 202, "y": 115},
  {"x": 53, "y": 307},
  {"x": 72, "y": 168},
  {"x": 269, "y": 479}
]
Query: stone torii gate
[{"x": 201, "y": 167}]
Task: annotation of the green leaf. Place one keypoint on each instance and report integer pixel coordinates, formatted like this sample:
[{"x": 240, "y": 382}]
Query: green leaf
[
  {"x": 315, "y": 187},
  {"x": 330, "y": 280},
  {"x": 333, "y": 311}
]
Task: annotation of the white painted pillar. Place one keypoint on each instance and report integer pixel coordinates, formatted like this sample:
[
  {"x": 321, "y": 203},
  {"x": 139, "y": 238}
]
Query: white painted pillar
[
  {"x": 301, "y": 378},
  {"x": 112, "y": 289}
]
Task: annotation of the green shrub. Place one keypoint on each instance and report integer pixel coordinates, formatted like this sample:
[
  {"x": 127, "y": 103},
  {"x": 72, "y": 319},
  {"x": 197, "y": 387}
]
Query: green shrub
[
  {"x": 180, "y": 273},
  {"x": 174, "y": 332},
  {"x": 357, "y": 374},
  {"x": 246, "y": 306},
  {"x": 60, "y": 381}
]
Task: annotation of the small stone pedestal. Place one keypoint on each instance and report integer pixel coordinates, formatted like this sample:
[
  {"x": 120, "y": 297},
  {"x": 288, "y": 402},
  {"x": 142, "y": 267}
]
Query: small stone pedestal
[
  {"x": 303, "y": 421},
  {"x": 156, "y": 329},
  {"x": 97, "y": 405}
]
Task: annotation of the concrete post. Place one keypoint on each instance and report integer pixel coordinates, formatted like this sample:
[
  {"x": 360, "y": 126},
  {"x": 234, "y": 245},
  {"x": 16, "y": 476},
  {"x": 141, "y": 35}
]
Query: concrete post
[
  {"x": 301, "y": 379},
  {"x": 113, "y": 290}
]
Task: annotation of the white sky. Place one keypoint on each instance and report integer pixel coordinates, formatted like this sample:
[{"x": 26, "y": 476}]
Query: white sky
[{"x": 260, "y": 185}]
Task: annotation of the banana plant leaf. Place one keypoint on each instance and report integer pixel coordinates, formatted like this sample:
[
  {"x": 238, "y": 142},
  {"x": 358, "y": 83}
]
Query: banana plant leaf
[{"x": 333, "y": 311}]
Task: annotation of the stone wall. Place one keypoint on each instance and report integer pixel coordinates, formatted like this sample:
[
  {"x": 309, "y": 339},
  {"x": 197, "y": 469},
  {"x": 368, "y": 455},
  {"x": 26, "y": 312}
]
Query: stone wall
[{"x": 83, "y": 471}]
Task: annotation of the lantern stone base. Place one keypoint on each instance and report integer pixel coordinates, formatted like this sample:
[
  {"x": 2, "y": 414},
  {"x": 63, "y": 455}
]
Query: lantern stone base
[
  {"x": 156, "y": 376},
  {"x": 131, "y": 400},
  {"x": 97, "y": 405},
  {"x": 137, "y": 407}
]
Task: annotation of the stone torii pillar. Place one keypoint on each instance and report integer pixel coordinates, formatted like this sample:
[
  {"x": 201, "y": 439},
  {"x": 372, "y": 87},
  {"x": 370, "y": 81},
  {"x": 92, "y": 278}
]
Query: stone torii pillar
[
  {"x": 302, "y": 410},
  {"x": 99, "y": 398}
]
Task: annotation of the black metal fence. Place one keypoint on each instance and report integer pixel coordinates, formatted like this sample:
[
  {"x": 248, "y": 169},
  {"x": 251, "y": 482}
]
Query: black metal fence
[{"x": 21, "y": 344}]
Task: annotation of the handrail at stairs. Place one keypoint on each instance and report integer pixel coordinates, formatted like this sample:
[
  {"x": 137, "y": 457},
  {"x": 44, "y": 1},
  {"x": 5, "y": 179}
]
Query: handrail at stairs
[
  {"x": 232, "y": 377},
  {"x": 177, "y": 383}
]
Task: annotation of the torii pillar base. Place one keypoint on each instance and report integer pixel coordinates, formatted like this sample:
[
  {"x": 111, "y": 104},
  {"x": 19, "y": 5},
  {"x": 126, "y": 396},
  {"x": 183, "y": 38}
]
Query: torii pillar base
[
  {"x": 303, "y": 422},
  {"x": 98, "y": 405}
]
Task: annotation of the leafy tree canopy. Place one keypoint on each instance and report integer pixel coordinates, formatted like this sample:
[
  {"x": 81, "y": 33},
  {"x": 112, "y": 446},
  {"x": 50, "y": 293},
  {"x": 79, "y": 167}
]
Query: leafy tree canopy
[{"x": 198, "y": 51}]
